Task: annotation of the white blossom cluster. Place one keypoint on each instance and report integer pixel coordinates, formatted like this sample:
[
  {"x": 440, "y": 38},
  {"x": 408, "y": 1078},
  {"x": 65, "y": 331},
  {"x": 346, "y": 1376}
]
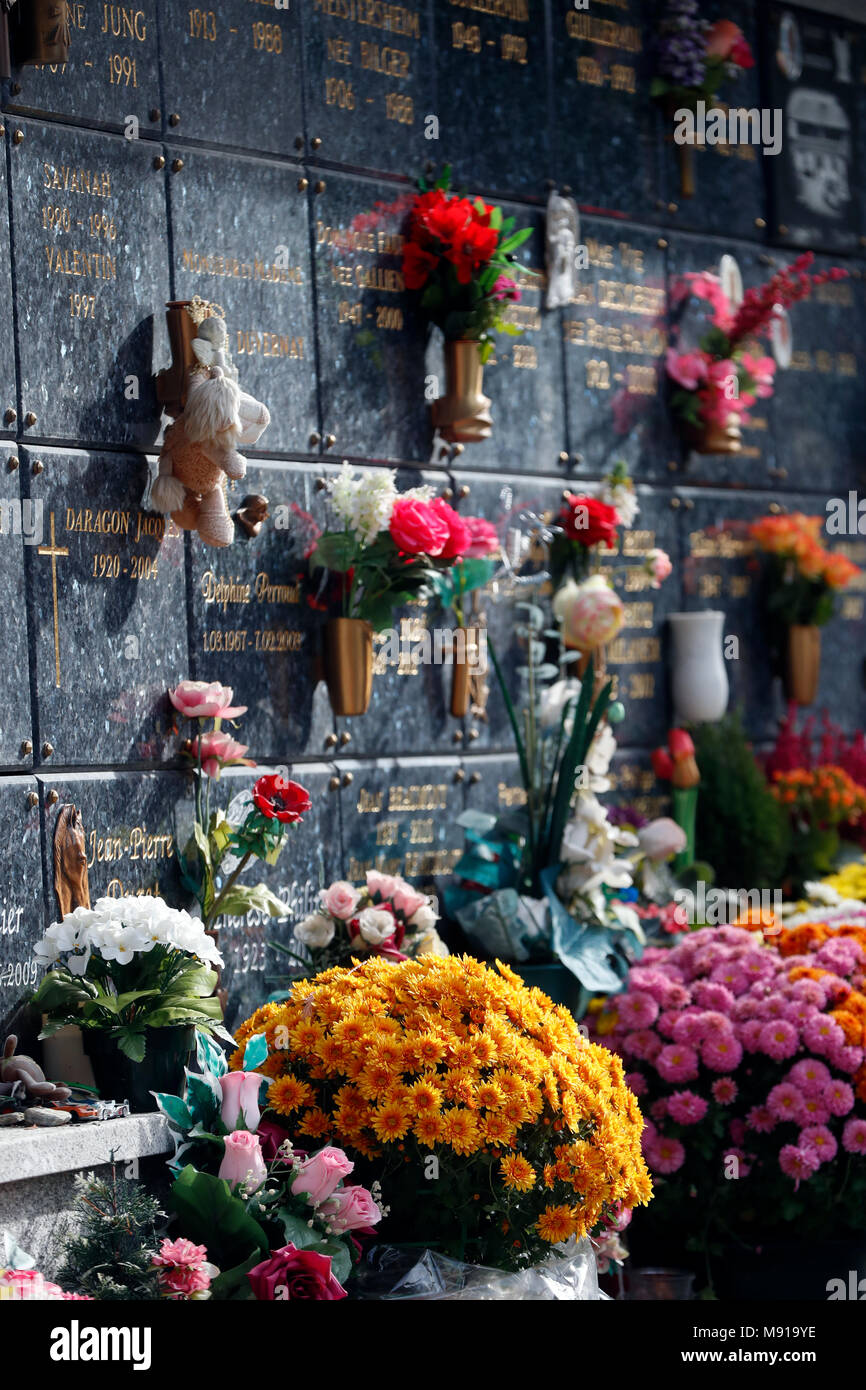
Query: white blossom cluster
[
  {"x": 365, "y": 503},
  {"x": 118, "y": 929}
]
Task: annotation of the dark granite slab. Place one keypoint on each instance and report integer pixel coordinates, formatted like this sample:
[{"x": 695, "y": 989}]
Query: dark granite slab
[
  {"x": 729, "y": 197},
  {"x": 21, "y": 909},
  {"x": 8, "y": 396},
  {"x": 399, "y": 817},
  {"x": 606, "y": 129},
  {"x": 812, "y": 79},
  {"x": 615, "y": 335},
  {"x": 371, "y": 341},
  {"x": 110, "y": 76},
  {"x": 21, "y": 528},
  {"x": 310, "y": 860},
  {"x": 524, "y": 377},
  {"x": 215, "y": 60},
  {"x": 491, "y": 63},
  {"x": 107, "y": 596},
  {"x": 368, "y": 82},
  {"x": 241, "y": 240},
  {"x": 251, "y": 626},
  {"x": 89, "y": 224},
  {"x": 635, "y": 784}
]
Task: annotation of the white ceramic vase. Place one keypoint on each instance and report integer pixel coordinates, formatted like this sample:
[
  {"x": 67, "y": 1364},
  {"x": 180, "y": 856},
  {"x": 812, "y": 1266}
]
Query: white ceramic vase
[{"x": 699, "y": 681}]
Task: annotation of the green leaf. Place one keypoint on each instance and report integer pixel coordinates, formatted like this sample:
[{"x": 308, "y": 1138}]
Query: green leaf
[
  {"x": 341, "y": 1260},
  {"x": 174, "y": 1109},
  {"x": 256, "y": 897},
  {"x": 210, "y": 1057},
  {"x": 203, "y": 1098},
  {"x": 256, "y": 1051},
  {"x": 132, "y": 1043},
  {"x": 61, "y": 990},
  {"x": 335, "y": 550},
  {"x": 296, "y": 1229},
  {"x": 202, "y": 843},
  {"x": 232, "y": 1284},
  {"x": 210, "y": 1214}
]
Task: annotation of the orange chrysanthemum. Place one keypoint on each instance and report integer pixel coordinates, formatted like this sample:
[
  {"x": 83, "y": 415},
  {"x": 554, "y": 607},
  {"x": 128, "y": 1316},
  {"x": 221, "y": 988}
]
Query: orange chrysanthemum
[{"x": 517, "y": 1173}]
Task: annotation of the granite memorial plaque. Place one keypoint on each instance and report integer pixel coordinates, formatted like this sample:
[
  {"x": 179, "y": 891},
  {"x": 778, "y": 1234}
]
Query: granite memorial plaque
[
  {"x": 241, "y": 239},
  {"x": 369, "y": 84},
  {"x": 634, "y": 784},
  {"x": 606, "y": 127},
  {"x": 755, "y": 465},
  {"x": 107, "y": 599},
  {"x": 22, "y": 911},
  {"x": 136, "y": 824},
  {"x": 251, "y": 625},
  {"x": 215, "y": 59},
  {"x": 812, "y": 77},
  {"x": 523, "y": 378},
  {"x": 816, "y": 415},
  {"x": 491, "y": 62},
  {"x": 615, "y": 335},
  {"x": 493, "y": 784},
  {"x": 371, "y": 340},
  {"x": 111, "y": 77},
  {"x": 21, "y": 526},
  {"x": 89, "y": 225},
  {"x": 309, "y": 861},
  {"x": 728, "y": 177},
  {"x": 8, "y": 399},
  {"x": 399, "y": 816}
]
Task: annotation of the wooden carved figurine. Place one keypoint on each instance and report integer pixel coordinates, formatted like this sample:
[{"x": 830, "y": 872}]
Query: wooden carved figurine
[
  {"x": 252, "y": 514},
  {"x": 70, "y": 861}
]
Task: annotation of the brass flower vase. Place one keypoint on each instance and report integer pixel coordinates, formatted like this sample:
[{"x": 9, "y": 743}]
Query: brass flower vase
[
  {"x": 172, "y": 382},
  {"x": 715, "y": 438},
  {"x": 803, "y": 663},
  {"x": 464, "y": 661},
  {"x": 462, "y": 415},
  {"x": 685, "y": 153},
  {"x": 349, "y": 664}
]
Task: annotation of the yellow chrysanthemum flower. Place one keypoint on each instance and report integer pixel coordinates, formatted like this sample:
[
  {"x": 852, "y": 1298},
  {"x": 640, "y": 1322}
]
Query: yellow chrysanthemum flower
[
  {"x": 517, "y": 1173},
  {"x": 556, "y": 1223}
]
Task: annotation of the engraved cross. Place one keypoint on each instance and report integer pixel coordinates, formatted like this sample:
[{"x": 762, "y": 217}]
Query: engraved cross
[{"x": 55, "y": 551}]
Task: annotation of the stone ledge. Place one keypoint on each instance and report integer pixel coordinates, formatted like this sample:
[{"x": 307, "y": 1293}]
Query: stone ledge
[{"x": 30, "y": 1152}]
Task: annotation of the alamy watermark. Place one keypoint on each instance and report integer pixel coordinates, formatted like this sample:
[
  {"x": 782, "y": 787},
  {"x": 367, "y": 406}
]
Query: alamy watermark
[
  {"x": 24, "y": 519},
  {"x": 720, "y": 906},
  {"x": 737, "y": 125}
]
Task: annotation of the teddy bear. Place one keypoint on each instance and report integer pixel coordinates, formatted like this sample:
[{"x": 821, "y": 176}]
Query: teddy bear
[
  {"x": 199, "y": 453},
  {"x": 16, "y": 1067}
]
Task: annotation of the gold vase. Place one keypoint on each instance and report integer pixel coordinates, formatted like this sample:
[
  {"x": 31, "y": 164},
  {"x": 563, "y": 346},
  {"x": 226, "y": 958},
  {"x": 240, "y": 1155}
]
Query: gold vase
[
  {"x": 172, "y": 382},
  {"x": 462, "y": 415},
  {"x": 716, "y": 438},
  {"x": 803, "y": 663},
  {"x": 685, "y": 153},
  {"x": 464, "y": 661},
  {"x": 349, "y": 664}
]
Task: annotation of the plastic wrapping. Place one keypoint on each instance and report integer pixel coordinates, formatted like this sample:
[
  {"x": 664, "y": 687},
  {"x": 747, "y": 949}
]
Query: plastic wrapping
[{"x": 402, "y": 1272}]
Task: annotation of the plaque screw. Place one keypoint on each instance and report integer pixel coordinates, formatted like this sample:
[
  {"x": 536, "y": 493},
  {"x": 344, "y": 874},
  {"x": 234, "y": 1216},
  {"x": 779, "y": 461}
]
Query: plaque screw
[
  {"x": 464, "y": 491},
  {"x": 775, "y": 508},
  {"x": 16, "y": 89},
  {"x": 673, "y": 466},
  {"x": 32, "y": 799},
  {"x": 675, "y": 504},
  {"x": 303, "y": 185},
  {"x": 13, "y": 463},
  {"x": 330, "y": 740},
  {"x": 563, "y": 456},
  {"x": 320, "y": 485},
  {"x": 315, "y": 439},
  {"x": 474, "y": 734},
  {"x": 345, "y": 738},
  {"x": 863, "y": 241},
  {"x": 2, "y": 128},
  {"x": 783, "y": 230},
  {"x": 315, "y": 143},
  {"x": 330, "y": 441},
  {"x": 319, "y": 186},
  {"x": 458, "y": 736},
  {"x": 52, "y": 798},
  {"x": 662, "y": 244},
  {"x": 334, "y": 784},
  {"x": 26, "y": 748},
  {"x": 29, "y": 419},
  {"x": 154, "y": 113},
  {"x": 474, "y": 778},
  {"x": 11, "y": 416},
  {"x": 780, "y": 473},
  {"x": 672, "y": 207},
  {"x": 176, "y": 166},
  {"x": 18, "y": 137},
  {"x": 447, "y": 494},
  {"x": 38, "y": 466},
  {"x": 348, "y": 779},
  {"x": 459, "y": 775},
  {"x": 457, "y": 450},
  {"x": 760, "y": 223},
  {"x": 688, "y": 504},
  {"x": 47, "y": 750},
  {"x": 299, "y": 142},
  {"x": 159, "y": 162},
  {"x": 577, "y": 459},
  {"x": 565, "y": 494},
  {"x": 174, "y": 118}
]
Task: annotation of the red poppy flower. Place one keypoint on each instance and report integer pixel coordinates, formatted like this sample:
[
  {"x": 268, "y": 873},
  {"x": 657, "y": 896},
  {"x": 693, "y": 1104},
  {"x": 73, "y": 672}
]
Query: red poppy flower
[
  {"x": 281, "y": 800},
  {"x": 418, "y": 265}
]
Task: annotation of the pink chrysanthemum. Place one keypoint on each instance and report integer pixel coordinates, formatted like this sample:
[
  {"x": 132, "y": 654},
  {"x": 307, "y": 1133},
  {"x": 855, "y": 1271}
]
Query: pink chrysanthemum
[
  {"x": 722, "y": 1053},
  {"x": 854, "y": 1137},
  {"x": 713, "y": 996},
  {"x": 724, "y": 1090},
  {"x": 779, "y": 1038},
  {"x": 636, "y": 1009},
  {"x": 677, "y": 1062},
  {"x": 749, "y": 1034},
  {"x": 665, "y": 1155},
  {"x": 815, "y": 1111},
  {"x": 798, "y": 1163},
  {"x": 810, "y": 1075},
  {"x": 689, "y": 1027},
  {"x": 820, "y": 1140},
  {"x": 808, "y": 992},
  {"x": 838, "y": 1097},
  {"x": 687, "y": 1108},
  {"x": 643, "y": 1043},
  {"x": 761, "y": 1119},
  {"x": 785, "y": 1101},
  {"x": 845, "y": 1058},
  {"x": 659, "y": 1109},
  {"x": 636, "y": 1082},
  {"x": 823, "y": 1033}
]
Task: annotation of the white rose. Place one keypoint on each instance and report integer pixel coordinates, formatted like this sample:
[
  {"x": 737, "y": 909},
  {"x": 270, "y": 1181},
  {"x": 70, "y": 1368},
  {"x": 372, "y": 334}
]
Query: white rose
[
  {"x": 315, "y": 931},
  {"x": 424, "y": 918},
  {"x": 376, "y": 925}
]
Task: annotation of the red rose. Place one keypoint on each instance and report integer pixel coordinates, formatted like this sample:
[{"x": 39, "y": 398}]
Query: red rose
[
  {"x": 281, "y": 800},
  {"x": 417, "y": 265},
  {"x": 741, "y": 54},
  {"x": 295, "y": 1274},
  {"x": 663, "y": 766},
  {"x": 589, "y": 521},
  {"x": 680, "y": 743},
  {"x": 416, "y": 528},
  {"x": 458, "y": 532},
  {"x": 483, "y": 539}
]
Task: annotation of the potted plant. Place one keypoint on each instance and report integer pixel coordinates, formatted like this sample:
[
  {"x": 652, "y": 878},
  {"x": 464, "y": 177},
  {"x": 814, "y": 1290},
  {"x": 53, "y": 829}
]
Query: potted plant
[
  {"x": 388, "y": 551},
  {"x": 458, "y": 256},
  {"x": 802, "y": 579},
  {"x": 714, "y": 384}
]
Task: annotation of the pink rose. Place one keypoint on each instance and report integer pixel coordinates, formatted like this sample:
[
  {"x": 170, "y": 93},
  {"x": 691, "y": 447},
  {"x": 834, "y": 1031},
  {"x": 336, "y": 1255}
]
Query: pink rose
[
  {"x": 219, "y": 751},
  {"x": 340, "y": 900},
  {"x": 205, "y": 700},
  {"x": 242, "y": 1161},
  {"x": 658, "y": 564},
  {"x": 295, "y": 1274},
  {"x": 407, "y": 901},
  {"x": 241, "y": 1099},
  {"x": 181, "y": 1284},
  {"x": 382, "y": 885},
  {"x": 458, "y": 532},
  {"x": 319, "y": 1175},
  {"x": 416, "y": 529},
  {"x": 483, "y": 539},
  {"x": 351, "y": 1209}
]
